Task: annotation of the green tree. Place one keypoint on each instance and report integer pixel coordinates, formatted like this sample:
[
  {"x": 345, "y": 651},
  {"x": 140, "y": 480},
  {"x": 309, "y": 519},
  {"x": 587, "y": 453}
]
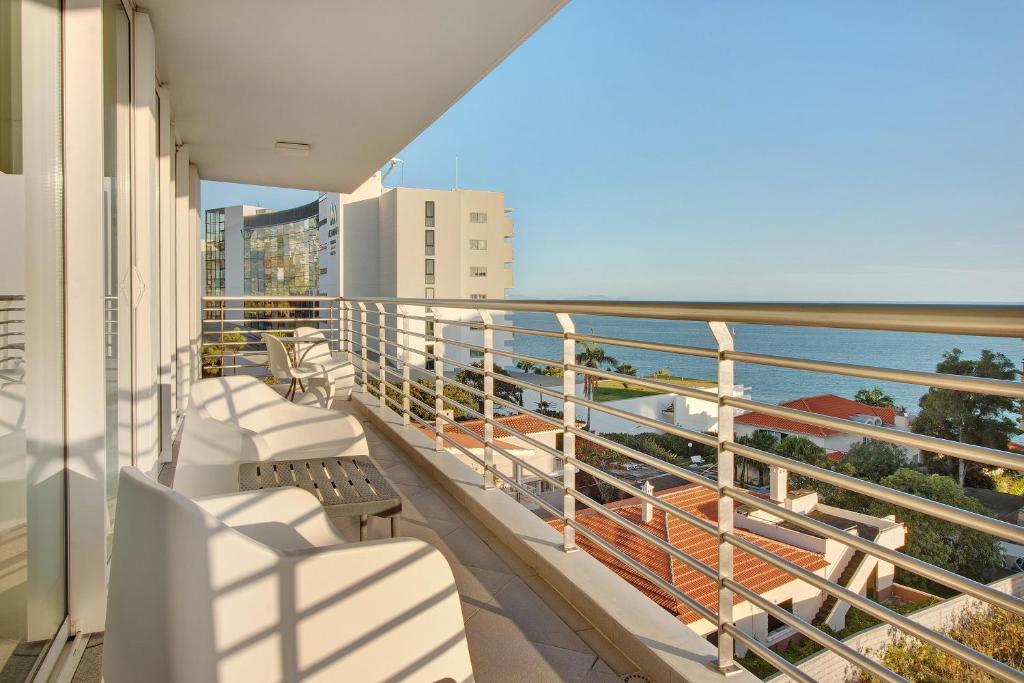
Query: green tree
[
  {"x": 552, "y": 371},
  {"x": 502, "y": 390},
  {"x": 951, "y": 546},
  {"x": 804, "y": 450},
  {"x": 989, "y": 630},
  {"x": 592, "y": 356},
  {"x": 876, "y": 460},
  {"x": 746, "y": 468},
  {"x": 874, "y": 397},
  {"x": 980, "y": 419},
  {"x": 625, "y": 369},
  {"x": 662, "y": 373},
  {"x": 213, "y": 356},
  {"x": 526, "y": 365}
]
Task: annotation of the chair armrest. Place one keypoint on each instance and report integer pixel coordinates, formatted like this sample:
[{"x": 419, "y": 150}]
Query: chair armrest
[
  {"x": 209, "y": 455},
  {"x": 379, "y": 610},
  {"x": 286, "y": 519}
]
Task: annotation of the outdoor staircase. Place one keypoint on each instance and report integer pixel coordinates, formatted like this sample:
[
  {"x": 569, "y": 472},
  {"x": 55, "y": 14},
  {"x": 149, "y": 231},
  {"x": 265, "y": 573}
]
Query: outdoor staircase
[{"x": 844, "y": 581}]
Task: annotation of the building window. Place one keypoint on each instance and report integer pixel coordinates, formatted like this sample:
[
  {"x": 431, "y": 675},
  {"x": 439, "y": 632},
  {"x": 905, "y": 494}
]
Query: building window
[
  {"x": 776, "y": 624},
  {"x": 478, "y": 245},
  {"x": 475, "y": 217},
  {"x": 477, "y": 296},
  {"x": 429, "y": 365},
  {"x": 332, "y": 232},
  {"x": 430, "y": 271},
  {"x": 428, "y": 219},
  {"x": 476, "y": 353},
  {"x": 428, "y": 242},
  {"x": 430, "y": 328},
  {"x": 428, "y": 293},
  {"x": 323, "y": 271},
  {"x": 478, "y": 271}
]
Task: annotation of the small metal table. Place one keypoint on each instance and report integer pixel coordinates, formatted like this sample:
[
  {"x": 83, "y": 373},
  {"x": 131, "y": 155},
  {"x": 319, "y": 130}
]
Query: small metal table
[
  {"x": 344, "y": 486},
  {"x": 292, "y": 344}
]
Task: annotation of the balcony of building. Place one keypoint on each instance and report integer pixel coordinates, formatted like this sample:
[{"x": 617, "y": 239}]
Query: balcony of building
[{"x": 645, "y": 594}]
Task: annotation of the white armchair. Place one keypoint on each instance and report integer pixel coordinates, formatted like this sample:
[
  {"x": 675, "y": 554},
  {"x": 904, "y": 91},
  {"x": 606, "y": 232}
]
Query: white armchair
[
  {"x": 258, "y": 586},
  {"x": 341, "y": 372},
  {"x": 240, "y": 419}
]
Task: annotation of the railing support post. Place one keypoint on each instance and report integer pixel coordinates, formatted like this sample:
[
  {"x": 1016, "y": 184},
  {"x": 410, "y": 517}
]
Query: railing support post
[
  {"x": 488, "y": 368},
  {"x": 726, "y": 663},
  {"x": 382, "y": 349},
  {"x": 363, "y": 356},
  {"x": 438, "y": 383},
  {"x": 403, "y": 325},
  {"x": 568, "y": 438}
]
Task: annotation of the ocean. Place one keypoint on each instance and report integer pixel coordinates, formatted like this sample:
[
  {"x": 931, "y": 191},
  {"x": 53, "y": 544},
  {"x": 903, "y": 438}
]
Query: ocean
[{"x": 901, "y": 350}]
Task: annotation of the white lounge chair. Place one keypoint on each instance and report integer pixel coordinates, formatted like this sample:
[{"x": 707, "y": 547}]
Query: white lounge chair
[
  {"x": 240, "y": 419},
  {"x": 258, "y": 586},
  {"x": 341, "y": 372}
]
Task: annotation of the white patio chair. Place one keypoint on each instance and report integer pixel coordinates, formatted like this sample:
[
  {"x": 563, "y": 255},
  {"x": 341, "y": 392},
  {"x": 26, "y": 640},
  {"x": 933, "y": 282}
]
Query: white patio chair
[
  {"x": 240, "y": 419},
  {"x": 258, "y": 586},
  {"x": 283, "y": 369},
  {"x": 341, "y": 372}
]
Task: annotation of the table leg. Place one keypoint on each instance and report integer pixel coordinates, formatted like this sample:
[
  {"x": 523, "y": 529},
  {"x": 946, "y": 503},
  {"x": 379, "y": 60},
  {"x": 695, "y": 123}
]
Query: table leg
[
  {"x": 362, "y": 527},
  {"x": 394, "y": 526}
]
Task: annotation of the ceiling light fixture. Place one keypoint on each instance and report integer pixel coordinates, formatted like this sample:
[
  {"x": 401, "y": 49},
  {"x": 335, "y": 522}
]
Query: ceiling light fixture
[{"x": 292, "y": 149}]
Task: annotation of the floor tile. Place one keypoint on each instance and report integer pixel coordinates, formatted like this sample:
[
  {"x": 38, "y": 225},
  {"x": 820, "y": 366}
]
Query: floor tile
[
  {"x": 520, "y": 608},
  {"x": 470, "y": 550},
  {"x": 502, "y": 654}
]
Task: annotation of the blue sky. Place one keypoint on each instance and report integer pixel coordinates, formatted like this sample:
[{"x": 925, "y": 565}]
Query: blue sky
[{"x": 859, "y": 151}]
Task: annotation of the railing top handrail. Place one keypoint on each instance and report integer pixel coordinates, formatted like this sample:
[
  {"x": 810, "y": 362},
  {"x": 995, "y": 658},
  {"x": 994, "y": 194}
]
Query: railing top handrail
[
  {"x": 994, "y": 320},
  {"x": 254, "y": 297}
]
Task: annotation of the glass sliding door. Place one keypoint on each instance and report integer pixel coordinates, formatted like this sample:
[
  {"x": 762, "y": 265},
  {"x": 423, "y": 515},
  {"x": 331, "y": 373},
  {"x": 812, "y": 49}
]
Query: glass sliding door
[
  {"x": 33, "y": 540},
  {"x": 118, "y": 275}
]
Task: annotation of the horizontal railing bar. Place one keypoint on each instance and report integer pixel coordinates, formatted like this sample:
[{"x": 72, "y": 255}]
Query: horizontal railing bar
[
  {"x": 981, "y": 385},
  {"x": 649, "y": 460},
  {"x": 991, "y": 320},
  {"x": 912, "y": 564},
  {"x": 526, "y": 385},
  {"x": 522, "y": 356},
  {"x": 711, "y": 397},
  {"x": 217, "y": 321},
  {"x": 556, "y": 423},
  {"x": 646, "y": 573},
  {"x": 248, "y": 330},
  {"x": 552, "y": 510},
  {"x": 987, "y": 456},
  {"x": 771, "y": 656},
  {"x": 637, "y": 530},
  {"x": 988, "y": 525},
  {"x": 815, "y": 634},
  {"x": 527, "y": 330},
  {"x": 939, "y": 640},
  {"x": 697, "y": 351},
  {"x": 461, "y": 323},
  {"x": 261, "y": 297},
  {"x": 647, "y": 421},
  {"x": 465, "y": 345}
]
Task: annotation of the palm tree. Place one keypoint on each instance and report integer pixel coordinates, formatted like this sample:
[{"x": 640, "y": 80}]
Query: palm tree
[
  {"x": 592, "y": 356},
  {"x": 625, "y": 369},
  {"x": 874, "y": 397},
  {"x": 525, "y": 365}
]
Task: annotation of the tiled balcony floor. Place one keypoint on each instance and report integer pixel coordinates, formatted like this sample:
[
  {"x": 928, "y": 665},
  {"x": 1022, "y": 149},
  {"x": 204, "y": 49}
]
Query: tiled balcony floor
[{"x": 519, "y": 628}]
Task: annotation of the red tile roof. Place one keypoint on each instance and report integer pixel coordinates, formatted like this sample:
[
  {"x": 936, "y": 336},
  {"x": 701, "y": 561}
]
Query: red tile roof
[
  {"x": 527, "y": 424},
  {"x": 753, "y": 573},
  {"x": 835, "y": 456},
  {"x": 465, "y": 440},
  {"x": 826, "y": 404}
]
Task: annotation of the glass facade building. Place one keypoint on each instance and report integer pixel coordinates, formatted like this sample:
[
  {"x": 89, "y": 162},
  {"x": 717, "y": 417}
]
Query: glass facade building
[
  {"x": 281, "y": 252},
  {"x": 214, "y": 252}
]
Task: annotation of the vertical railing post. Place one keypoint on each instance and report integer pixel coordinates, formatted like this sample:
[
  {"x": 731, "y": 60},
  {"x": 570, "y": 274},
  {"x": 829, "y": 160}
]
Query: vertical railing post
[
  {"x": 488, "y": 368},
  {"x": 438, "y": 383},
  {"x": 726, "y": 663},
  {"x": 363, "y": 356},
  {"x": 568, "y": 438},
  {"x": 403, "y": 325},
  {"x": 382, "y": 361}
]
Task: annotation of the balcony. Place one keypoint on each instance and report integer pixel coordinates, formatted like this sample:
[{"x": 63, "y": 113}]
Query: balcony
[{"x": 507, "y": 505}]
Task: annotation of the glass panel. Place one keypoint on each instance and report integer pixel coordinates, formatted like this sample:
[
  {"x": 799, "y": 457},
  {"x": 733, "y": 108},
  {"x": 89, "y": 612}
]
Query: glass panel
[
  {"x": 117, "y": 265},
  {"x": 33, "y": 545}
]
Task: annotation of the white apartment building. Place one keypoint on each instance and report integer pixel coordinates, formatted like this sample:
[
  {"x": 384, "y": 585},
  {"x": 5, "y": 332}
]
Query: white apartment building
[{"x": 398, "y": 242}]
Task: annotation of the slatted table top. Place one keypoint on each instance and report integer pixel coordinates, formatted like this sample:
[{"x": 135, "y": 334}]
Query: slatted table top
[{"x": 344, "y": 486}]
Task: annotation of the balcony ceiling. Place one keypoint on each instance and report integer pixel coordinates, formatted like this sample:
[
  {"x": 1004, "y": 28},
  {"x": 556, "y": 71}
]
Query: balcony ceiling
[{"x": 356, "y": 80}]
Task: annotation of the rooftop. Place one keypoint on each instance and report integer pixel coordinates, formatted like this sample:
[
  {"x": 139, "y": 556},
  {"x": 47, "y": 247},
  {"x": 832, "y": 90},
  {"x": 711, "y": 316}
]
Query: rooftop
[
  {"x": 701, "y": 502},
  {"x": 825, "y": 404}
]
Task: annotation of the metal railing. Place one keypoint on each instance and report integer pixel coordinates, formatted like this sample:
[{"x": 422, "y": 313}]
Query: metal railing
[
  {"x": 403, "y": 356},
  {"x": 12, "y": 330}
]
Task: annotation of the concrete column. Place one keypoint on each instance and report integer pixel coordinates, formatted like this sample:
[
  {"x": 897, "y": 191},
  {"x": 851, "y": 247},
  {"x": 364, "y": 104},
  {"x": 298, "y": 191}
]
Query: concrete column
[{"x": 779, "y": 484}]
